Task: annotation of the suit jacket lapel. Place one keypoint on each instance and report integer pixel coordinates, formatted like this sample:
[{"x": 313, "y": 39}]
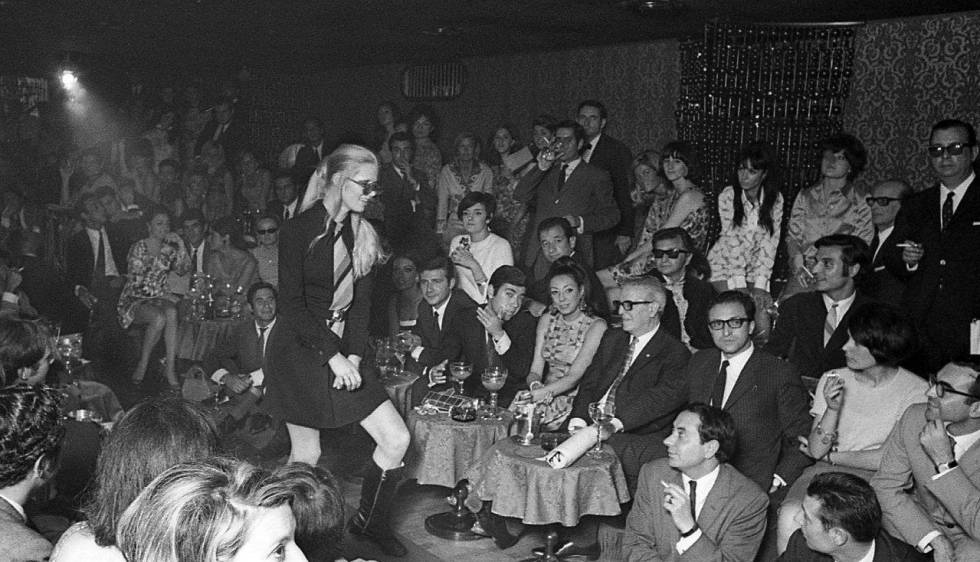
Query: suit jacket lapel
[
  {"x": 839, "y": 337},
  {"x": 718, "y": 498},
  {"x": 746, "y": 380},
  {"x": 648, "y": 353}
]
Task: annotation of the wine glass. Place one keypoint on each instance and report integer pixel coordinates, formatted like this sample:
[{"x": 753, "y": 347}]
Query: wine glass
[
  {"x": 384, "y": 357},
  {"x": 601, "y": 413},
  {"x": 493, "y": 380},
  {"x": 402, "y": 347},
  {"x": 460, "y": 371}
]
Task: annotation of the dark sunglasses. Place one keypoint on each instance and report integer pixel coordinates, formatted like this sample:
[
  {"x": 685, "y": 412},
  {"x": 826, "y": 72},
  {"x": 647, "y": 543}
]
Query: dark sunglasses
[
  {"x": 272, "y": 230},
  {"x": 954, "y": 149},
  {"x": 672, "y": 253},
  {"x": 943, "y": 387},
  {"x": 628, "y": 305},
  {"x": 368, "y": 187},
  {"x": 880, "y": 201},
  {"x": 733, "y": 323}
]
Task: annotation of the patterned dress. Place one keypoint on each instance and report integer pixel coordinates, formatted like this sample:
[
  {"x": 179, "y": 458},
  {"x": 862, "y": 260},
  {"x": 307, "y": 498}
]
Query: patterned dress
[
  {"x": 511, "y": 214},
  {"x": 695, "y": 223},
  {"x": 745, "y": 253},
  {"x": 819, "y": 211},
  {"x": 147, "y": 278},
  {"x": 562, "y": 344},
  {"x": 456, "y": 186},
  {"x": 429, "y": 160}
]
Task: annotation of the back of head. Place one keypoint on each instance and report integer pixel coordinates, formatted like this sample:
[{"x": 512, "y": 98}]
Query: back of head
[
  {"x": 31, "y": 429},
  {"x": 318, "y": 506},
  {"x": 847, "y": 502},
  {"x": 154, "y": 436},
  {"x": 22, "y": 344}
]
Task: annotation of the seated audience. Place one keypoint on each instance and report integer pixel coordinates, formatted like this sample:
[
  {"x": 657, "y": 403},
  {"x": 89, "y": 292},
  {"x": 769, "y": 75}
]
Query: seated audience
[
  {"x": 694, "y": 505},
  {"x": 403, "y": 306},
  {"x": 509, "y": 331},
  {"x": 650, "y": 191},
  {"x": 856, "y": 407},
  {"x": 840, "y": 519},
  {"x": 672, "y": 252},
  {"x": 48, "y": 289},
  {"x": 219, "y": 181},
  {"x": 423, "y": 124},
  {"x": 477, "y": 252},
  {"x": 227, "y": 261},
  {"x": 195, "y": 193},
  {"x": 25, "y": 352},
  {"x": 31, "y": 431},
  {"x": 409, "y": 201},
  {"x": 253, "y": 182},
  {"x": 310, "y": 153},
  {"x": 211, "y": 511},
  {"x": 751, "y": 213},
  {"x": 266, "y": 252},
  {"x": 763, "y": 394},
  {"x": 512, "y": 215},
  {"x": 318, "y": 506},
  {"x": 637, "y": 368},
  {"x": 832, "y": 206},
  {"x": 154, "y": 436},
  {"x": 285, "y": 203},
  {"x": 146, "y": 299},
  {"x": 389, "y": 121},
  {"x": 885, "y": 201},
  {"x": 193, "y": 229},
  {"x": 812, "y": 327},
  {"x": 466, "y": 174},
  {"x": 567, "y": 339},
  {"x": 89, "y": 178},
  {"x": 168, "y": 173},
  {"x": 933, "y": 451}
]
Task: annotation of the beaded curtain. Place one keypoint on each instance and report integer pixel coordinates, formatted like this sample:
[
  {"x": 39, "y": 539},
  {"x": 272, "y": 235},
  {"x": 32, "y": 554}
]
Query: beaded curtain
[{"x": 785, "y": 85}]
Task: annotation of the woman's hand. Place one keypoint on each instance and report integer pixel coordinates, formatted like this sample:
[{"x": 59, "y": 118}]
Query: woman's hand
[
  {"x": 833, "y": 392},
  {"x": 805, "y": 446},
  {"x": 539, "y": 394},
  {"x": 463, "y": 257},
  {"x": 345, "y": 373}
]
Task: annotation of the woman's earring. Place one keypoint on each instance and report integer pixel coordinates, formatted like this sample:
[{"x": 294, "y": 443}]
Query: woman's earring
[{"x": 581, "y": 305}]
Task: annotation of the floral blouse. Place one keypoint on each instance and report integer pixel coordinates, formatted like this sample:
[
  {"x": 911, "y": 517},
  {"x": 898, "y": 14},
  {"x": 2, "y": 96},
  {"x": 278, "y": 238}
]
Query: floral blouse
[
  {"x": 819, "y": 212},
  {"x": 510, "y": 211},
  {"x": 744, "y": 254},
  {"x": 147, "y": 277},
  {"x": 429, "y": 160}
]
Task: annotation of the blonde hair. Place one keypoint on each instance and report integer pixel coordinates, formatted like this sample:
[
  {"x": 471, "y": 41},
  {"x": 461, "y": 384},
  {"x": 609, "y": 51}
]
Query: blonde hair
[{"x": 345, "y": 160}]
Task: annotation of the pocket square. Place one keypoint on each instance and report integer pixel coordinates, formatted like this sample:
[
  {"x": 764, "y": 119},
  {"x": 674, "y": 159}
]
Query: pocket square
[{"x": 879, "y": 268}]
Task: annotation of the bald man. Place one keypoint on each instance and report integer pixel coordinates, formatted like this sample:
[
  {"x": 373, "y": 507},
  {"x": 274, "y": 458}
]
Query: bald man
[{"x": 885, "y": 201}]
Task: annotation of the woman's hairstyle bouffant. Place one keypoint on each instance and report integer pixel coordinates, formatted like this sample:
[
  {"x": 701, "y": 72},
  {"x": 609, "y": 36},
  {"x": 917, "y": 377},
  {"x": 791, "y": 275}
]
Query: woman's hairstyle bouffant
[
  {"x": 853, "y": 149},
  {"x": 686, "y": 153},
  {"x": 885, "y": 331},
  {"x": 568, "y": 266}
]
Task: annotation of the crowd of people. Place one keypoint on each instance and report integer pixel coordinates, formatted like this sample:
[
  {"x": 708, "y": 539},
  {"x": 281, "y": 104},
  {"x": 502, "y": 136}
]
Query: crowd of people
[{"x": 591, "y": 276}]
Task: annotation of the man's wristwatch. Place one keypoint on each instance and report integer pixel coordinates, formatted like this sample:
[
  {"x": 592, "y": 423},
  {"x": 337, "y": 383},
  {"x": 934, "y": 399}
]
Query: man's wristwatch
[
  {"x": 946, "y": 466},
  {"x": 690, "y": 532}
]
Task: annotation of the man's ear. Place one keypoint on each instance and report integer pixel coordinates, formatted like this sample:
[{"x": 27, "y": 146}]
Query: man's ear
[
  {"x": 974, "y": 411},
  {"x": 853, "y": 270},
  {"x": 711, "y": 448}
]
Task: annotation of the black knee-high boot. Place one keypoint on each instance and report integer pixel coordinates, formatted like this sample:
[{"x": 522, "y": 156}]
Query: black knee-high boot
[{"x": 371, "y": 521}]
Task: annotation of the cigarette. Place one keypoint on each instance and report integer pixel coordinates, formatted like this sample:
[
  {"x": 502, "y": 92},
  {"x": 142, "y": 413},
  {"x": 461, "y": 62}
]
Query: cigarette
[
  {"x": 807, "y": 270},
  {"x": 907, "y": 245}
]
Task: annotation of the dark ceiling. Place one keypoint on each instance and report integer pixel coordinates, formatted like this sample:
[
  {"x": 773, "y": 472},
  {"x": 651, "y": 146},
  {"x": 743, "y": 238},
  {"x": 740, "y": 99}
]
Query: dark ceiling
[{"x": 299, "y": 36}]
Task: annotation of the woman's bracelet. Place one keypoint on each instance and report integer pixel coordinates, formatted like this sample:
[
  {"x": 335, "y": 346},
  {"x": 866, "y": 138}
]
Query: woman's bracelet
[
  {"x": 826, "y": 438},
  {"x": 535, "y": 385}
]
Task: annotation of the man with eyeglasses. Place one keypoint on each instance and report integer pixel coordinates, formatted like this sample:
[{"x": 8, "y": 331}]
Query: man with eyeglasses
[
  {"x": 939, "y": 254},
  {"x": 763, "y": 394},
  {"x": 934, "y": 448},
  {"x": 885, "y": 201},
  {"x": 812, "y": 327},
  {"x": 673, "y": 249}
]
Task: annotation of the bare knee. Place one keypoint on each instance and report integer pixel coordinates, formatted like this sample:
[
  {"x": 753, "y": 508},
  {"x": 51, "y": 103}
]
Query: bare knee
[
  {"x": 155, "y": 318},
  {"x": 170, "y": 314},
  {"x": 394, "y": 440}
]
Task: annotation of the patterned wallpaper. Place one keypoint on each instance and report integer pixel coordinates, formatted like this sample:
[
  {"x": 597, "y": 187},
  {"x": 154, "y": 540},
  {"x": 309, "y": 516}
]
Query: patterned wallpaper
[{"x": 908, "y": 74}]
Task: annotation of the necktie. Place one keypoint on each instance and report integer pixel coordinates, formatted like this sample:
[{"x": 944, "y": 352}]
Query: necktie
[
  {"x": 435, "y": 318},
  {"x": 262, "y": 341},
  {"x": 561, "y": 176},
  {"x": 100, "y": 258},
  {"x": 493, "y": 358},
  {"x": 587, "y": 151},
  {"x": 614, "y": 387},
  {"x": 718, "y": 392},
  {"x": 194, "y": 261},
  {"x": 694, "y": 498},
  {"x": 285, "y": 213},
  {"x": 947, "y": 210},
  {"x": 875, "y": 242},
  {"x": 343, "y": 271},
  {"x": 831, "y": 324}
]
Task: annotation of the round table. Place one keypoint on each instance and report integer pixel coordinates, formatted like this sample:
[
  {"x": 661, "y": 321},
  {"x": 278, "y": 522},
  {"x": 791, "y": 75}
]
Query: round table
[
  {"x": 399, "y": 388},
  {"x": 443, "y": 449},
  {"x": 196, "y": 339},
  {"x": 521, "y": 485}
]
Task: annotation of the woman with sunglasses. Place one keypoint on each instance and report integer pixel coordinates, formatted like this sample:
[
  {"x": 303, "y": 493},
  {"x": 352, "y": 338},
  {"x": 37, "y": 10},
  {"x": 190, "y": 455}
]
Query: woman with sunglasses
[
  {"x": 855, "y": 408},
  {"x": 314, "y": 382},
  {"x": 833, "y": 205},
  {"x": 266, "y": 253}
]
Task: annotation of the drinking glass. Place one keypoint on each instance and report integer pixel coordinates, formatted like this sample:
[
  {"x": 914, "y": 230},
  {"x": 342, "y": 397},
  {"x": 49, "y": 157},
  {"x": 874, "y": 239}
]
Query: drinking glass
[
  {"x": 385, "y": 357},
  {"x": 601, "y": 413},
  {"x": 402, "y": 347},
  {"x": 493, "y": 380},
  {"x": 460, "y": 371}
]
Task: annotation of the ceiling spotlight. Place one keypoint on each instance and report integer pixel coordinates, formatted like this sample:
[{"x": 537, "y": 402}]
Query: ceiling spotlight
[{"x": 68, "y": 79}]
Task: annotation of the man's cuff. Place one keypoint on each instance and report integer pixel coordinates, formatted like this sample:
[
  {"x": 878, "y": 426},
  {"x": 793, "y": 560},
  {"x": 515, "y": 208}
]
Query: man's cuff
[
  {"x": 502, "y": 344},
  {"x": 218, "y": 375},
  {"x": 909, "y": 267},
  {"x": 777, "y": 479},
  {"x": 687, "y": 542},
  {"x": 575, "y": 424},
  {"x": 12, "y": 298},
  {"x": 417, "y": 352},
  {"x": 618, "y": 424},
  {"x": 257, "y": 376},
  {"x": 924, "y": 545}
]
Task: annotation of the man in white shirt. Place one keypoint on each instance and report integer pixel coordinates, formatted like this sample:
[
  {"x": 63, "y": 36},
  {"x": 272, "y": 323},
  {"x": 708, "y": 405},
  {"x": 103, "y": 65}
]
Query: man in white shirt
[
  {"x": 885, "y": 201},
  {"x": 934, "y": 448},
  {"x": 286, "y": 204},
  {"x": 193, "y": 227},
  {"x": 693, "y": 505}
]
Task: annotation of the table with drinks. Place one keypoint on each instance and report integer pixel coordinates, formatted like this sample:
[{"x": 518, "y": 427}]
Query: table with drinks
[{"x": 209, "y": 311}]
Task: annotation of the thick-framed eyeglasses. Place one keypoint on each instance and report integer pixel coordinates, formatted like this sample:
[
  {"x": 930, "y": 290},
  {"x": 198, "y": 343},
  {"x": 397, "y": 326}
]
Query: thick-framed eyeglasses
[
  {"x": 943, "y": 388},
  {"x": 880, "y": 201},
  {"x": 368, "y": 187},
  {"x": 733, "y": 323},
  {"x": 262, "y": 231},
  {"x": 954, "y": 149},
  {"x": 628, "y": 305},
  {"x": 673, "y": 253}
]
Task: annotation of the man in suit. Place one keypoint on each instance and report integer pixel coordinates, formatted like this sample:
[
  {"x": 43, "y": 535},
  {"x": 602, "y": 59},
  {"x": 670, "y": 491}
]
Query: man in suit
[
  {"x": 47, "y": 288},
  {"x": 763, "y": 394},
  {"x": 672, "y": 252},
  {"x": 637, "y": 367},
  {"x": 812, "y": 327},
  {"x": 885, "y": 201},
  {"x": 510, "y": 331},
  {"x": 223, "y": 129},
  {"x": 609, "y": 154},
  {"x": 408, "y": 199},
  {"x": 572, "y": 189},
  {"x": 940, "y": 227},
  {"x": 238, "y": 360},
  {"x": 95, "y": 267},
  {"x": 286, "y": 202},
  {"x": 447, "y": 330},
  {"x": 841, "y": 520},
  {"x": 309, "y": 155},
  {"x": 558, "y": 239},
  {"x": 31, "y": 431},
  {"x": 933, "y": 449},
  {"x": 193, "y": 227},
  {"x": 693, "y": 505}
]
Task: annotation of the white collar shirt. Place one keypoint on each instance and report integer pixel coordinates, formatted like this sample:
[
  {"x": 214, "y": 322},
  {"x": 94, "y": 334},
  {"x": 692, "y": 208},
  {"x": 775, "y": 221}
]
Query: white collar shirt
[
  {"x": 843, "y": 305},
  {"x": 958, "y": 192},
  {"x": 587, "y": 155},
  {"x": 93, "y": 237},
  {"x": 736, "y": 364},
  {"x": 705, "y": 484}
]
